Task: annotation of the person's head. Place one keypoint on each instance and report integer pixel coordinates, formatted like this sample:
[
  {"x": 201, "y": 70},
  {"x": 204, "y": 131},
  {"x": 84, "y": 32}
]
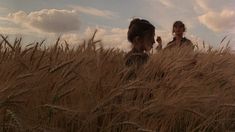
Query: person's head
[
  {"x": 141, "y": 34},
  {"x": 178, "y": 28}
]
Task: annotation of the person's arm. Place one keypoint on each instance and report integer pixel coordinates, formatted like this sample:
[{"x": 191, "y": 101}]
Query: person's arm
[
  {"x": 159, "y": 40},
  {"x": 191, "y": 44}
]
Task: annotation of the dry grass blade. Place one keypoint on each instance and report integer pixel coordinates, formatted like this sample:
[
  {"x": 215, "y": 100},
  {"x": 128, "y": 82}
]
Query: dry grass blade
[
  {"x": 227, "y": 45},
  {"x": 223, "y": 40},
  {"x": 6, "y": 41},
  {"x": 133, "y": 124},
  {"x": 17, "y": 94},
  {"x": 61, "y": 66},
  {"x": 129, "y": 123},
  {"x": 196, "y": 113},
  {"x": 59, "y": 108},
  {"x": 14, "y": 118},
  {"x": 203, "y": 43},
  {"x": 34, "y": 50},
  {"x": 40, "y": 59},
  {"x": 24, "y": 76},
  {"x": 227, "y": 105},
  {"x": 42, "y": 43},
  {"x": 66, "y": 46}
]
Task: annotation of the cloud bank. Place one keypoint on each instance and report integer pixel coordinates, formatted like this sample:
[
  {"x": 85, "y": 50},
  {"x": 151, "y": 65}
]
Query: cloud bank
[
  {"x": 219, "y": 21},
  {"x": 94, "y": 12},
  {"x": 110, "y": 37},
  {"x": 47, "y": 20}
]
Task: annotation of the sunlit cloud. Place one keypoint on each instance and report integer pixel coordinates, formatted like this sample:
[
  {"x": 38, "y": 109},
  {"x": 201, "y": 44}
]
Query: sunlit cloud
[
  {"x": 47, "y": 20},
  {"x": 110, "y": 38},
  {"x": 13, "y": 30},
  {"x": 166, "y": 3},
  {"x": 219, "y": 21},
  {"x": 3, "y": 9},
  {"x": 203, "y": 4},
  {"x": 94, "y": 12}
]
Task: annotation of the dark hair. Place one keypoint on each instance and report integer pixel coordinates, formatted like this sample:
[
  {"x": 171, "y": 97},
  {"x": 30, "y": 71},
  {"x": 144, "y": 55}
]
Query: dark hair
[
  {"x": 178, "y": 23},
  {"x": 138, "y": 27}
]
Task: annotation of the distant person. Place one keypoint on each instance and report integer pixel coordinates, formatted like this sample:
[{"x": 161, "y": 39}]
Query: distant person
[
  {"x": 141, "y": 35},
  {"x": 179, "y": 40}
]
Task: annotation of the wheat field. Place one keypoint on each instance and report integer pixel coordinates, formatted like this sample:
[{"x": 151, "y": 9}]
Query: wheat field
[{"x": 89, "y": 89}]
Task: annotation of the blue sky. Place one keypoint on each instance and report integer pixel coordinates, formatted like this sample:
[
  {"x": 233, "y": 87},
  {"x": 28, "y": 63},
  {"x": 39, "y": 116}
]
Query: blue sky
[{"x": 75, "y": 20}]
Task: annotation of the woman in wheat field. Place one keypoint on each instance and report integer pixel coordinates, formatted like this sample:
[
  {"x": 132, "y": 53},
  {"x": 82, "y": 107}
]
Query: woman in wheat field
[
  {"x": 141, "y": 35},
  {"x": 179, "y": 40}
]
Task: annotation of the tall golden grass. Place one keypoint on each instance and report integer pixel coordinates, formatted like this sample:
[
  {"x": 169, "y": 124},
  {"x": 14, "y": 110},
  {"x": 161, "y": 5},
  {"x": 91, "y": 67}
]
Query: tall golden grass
[{"x": 89, "y": 89}]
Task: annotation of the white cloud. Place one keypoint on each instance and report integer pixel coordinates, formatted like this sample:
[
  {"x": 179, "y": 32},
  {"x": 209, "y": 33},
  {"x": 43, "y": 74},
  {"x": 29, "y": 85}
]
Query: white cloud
[
  {"x": 18, "y": 17},
  {"x": 4, "y": 19},
  {"x": 13, "y": 30},
  {"x": 47, "y": 20},
  {"x": 110, "y": 38},
  {"x": 117, "y": 38},
  {"x": 94, "y": 12},
  {"x": 90, "y": 31},
  {"x": 215, "y": 5},
  {"x": 219, "y": 21},
  {"x": 203, "y": 4},
  {"x": 3, "y": 9},
  {"x": 166, "y": 3}
]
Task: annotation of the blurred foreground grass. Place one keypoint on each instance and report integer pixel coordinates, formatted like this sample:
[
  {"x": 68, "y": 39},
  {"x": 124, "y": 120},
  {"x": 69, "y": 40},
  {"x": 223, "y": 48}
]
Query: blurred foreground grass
[{"x": 87, "y": 89}]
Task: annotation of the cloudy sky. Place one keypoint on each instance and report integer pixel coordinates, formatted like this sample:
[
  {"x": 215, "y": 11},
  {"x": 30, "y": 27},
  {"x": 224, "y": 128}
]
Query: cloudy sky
[{"x": 76, "y": 20}]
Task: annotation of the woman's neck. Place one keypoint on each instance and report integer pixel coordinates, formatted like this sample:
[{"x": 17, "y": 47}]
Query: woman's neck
[{"x": 178, "y": 37}]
